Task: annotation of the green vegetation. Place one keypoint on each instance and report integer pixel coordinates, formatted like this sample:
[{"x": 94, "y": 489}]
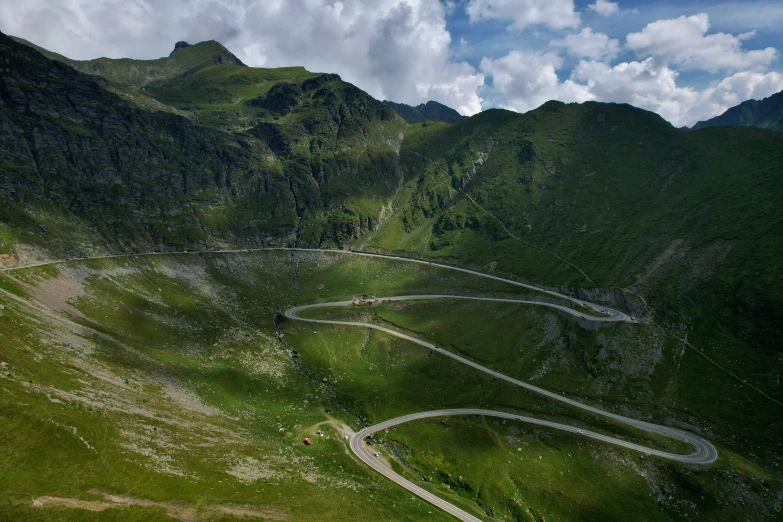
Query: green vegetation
[
  {"x": 169, "y": 378},
  {"x": 261, "y": 157},
  {"x": 599, "y": 197},
  {"x": 174, "y": 381},
  {"x": 638, "y": 368},
  {"x": 174, "y": 389}
]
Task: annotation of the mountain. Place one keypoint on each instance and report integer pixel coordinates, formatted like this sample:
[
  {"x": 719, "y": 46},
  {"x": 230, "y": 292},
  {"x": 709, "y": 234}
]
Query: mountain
[
  {"x": 185, "y": 58},
  {"x": 293, "y": 157},
  {"x": 182, "y": 372},
  {"x": 619, "y": 206},
  {"x": 431, "y": 110},
  {"x": 766, "y": 113}
]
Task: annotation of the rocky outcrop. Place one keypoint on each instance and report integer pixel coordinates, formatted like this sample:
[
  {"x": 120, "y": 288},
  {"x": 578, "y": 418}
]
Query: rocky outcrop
[
  {"x": 612, "y": 297},
  {"x": 180, "y": 45}
]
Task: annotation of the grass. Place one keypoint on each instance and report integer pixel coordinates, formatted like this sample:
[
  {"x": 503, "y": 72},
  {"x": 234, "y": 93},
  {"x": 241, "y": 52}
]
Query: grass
[
  {"x": 606, "y": 202},
  {"x": 639, "y": 367},
  {"x": 193, "y": 339},
  {"x": 153, "y": 334},
  {"x": 608, "y": 197}
]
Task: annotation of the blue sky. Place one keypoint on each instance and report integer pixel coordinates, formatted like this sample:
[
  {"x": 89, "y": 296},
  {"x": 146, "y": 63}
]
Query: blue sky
[
  {"x": 492, "y": 39},
  {"x": 687, "y": 60}
]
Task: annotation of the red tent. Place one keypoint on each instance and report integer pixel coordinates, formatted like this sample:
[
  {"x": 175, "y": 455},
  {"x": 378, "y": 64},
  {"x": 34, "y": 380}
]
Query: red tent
[{"x": 307, "y": 442}]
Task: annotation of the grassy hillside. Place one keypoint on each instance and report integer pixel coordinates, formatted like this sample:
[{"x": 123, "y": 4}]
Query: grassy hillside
[
  {"x": 159, "y": 387},
  {"x": 641, "y": 369},
  {"x": 281, "y": 156},
  {"x": 681, "y": 228},
  {"x": 172, "y": 386}
]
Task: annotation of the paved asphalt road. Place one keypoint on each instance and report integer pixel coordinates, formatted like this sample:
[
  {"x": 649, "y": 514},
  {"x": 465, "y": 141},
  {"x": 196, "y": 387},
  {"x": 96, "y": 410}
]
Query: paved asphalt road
[{"x": 705, "y": 452}]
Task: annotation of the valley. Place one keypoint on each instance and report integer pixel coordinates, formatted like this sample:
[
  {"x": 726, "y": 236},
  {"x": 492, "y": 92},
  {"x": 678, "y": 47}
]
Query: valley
[
  {"x": 567, "y": 314},
  {"x": 143, "y": 316}
]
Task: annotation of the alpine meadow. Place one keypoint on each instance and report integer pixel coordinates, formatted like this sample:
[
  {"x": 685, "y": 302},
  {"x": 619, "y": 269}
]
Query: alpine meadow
[{"x": 241, "y": 293}]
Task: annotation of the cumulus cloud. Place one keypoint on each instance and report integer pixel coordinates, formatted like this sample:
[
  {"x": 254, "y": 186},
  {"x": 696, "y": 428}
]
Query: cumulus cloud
[
  {"x": 735, "y": 89},
  {"x": 524, "y": 80},
  {"x": 557, "y": 14},
  {"x": 402, "y": 49},
  {"x": 684, "y": 42},
  {"x": 587, "y": 44},
  {"x": 394, "y": 49},
  {"x": 642, "y": 84},
  {"x": 605, "y": 8},
  {"x": 652, "y": 87}
]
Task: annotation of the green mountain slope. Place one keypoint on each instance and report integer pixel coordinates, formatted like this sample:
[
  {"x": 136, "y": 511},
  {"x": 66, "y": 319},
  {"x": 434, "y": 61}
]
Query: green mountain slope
[
  {"x": 175, "y": 382},
  {"x": 83, "y": 169},
  {"x": 766, "y": 113},
  {"x": 680, "y": 227},
  {"x": 431, "y": 110},
  {"x": 159, "y": 387}
]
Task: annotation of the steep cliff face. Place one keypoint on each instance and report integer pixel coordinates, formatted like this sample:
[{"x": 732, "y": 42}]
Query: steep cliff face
[{"x": 82, "y": 169}]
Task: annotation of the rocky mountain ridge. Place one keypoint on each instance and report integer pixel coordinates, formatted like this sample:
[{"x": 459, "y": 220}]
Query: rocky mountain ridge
[
  {"x": 766, "y": 113},
  {"x": 431, "y": 110},
  {"x": 184, "y": 58}
]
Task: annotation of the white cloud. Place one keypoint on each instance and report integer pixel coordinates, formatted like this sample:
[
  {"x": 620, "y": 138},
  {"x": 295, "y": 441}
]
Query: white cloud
[
  {"x": 684, "y": 42},
  {"x": 605, "y": 8},
  {"x": 557, "y": 14},
  {"x": 587, "y": 44},
  {"x": 738, "y": 14},
  {"x": 523, "y": 80},
  {"x": 394, "y": 49},
  {"x": 651, "y": 87},
  {"x": 736, "y": 89},
  {"x": 641, "y": 84},
  {"x": 402, "y": 50}
]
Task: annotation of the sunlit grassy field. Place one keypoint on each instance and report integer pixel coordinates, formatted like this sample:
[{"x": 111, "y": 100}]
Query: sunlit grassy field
[{"x": 161, "y": 387}]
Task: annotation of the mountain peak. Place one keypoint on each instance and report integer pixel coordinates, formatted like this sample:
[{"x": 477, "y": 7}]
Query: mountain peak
[
  {"x": 180, "y": 45},
  {"x": 431, "y": 110},
  {"x": 208, "y": 52}
]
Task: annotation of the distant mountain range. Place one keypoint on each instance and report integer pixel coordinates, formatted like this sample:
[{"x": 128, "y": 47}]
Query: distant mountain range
[
  {"x": 766, "y": 113},
  {"x": 185, "y": 58},
  {"x": 431, "y": 110}
]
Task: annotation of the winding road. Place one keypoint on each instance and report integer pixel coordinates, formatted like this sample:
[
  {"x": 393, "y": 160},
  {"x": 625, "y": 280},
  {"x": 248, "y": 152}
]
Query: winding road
[{"x": 705, "y": 453}]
